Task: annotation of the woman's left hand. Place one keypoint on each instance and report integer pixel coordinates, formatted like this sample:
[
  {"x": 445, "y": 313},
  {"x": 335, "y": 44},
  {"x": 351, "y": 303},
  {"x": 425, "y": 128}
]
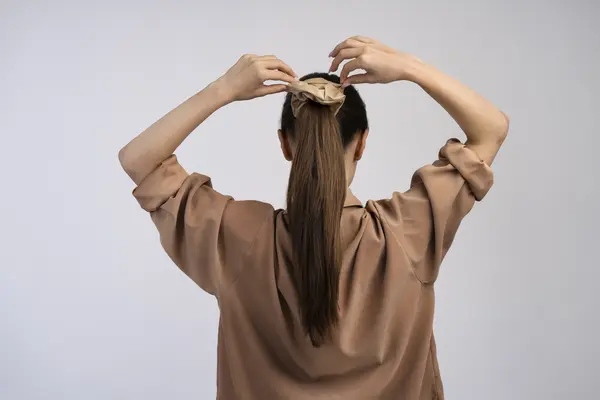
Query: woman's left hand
[{"x": 246, "y": 79}]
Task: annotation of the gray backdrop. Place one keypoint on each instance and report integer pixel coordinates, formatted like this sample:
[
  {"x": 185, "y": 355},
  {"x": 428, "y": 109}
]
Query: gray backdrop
[{"x": 91, "y": 308}]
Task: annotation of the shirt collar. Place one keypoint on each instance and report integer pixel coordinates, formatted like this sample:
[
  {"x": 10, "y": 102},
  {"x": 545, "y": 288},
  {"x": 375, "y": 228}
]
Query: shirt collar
[{"x": 352, "y": 200}]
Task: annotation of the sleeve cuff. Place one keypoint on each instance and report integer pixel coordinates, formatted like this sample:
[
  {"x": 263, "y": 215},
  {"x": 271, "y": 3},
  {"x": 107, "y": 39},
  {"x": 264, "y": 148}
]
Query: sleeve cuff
[
  {"x": 161, "y": 184},
  {"x": 477, "y": 173}
]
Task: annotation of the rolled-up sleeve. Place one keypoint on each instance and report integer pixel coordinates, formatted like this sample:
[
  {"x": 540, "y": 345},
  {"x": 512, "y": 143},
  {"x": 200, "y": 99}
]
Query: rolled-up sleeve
[
  {"x": 425, "y": 219},
  {"x": 205, "y": 233}
]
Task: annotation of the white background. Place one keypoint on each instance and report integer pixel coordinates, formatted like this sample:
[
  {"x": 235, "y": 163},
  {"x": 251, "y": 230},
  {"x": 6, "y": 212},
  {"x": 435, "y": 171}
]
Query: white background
[{"x": 91, "y": 308}]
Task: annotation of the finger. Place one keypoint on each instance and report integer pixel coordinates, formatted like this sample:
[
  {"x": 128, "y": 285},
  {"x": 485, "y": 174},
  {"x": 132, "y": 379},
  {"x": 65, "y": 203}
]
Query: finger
[
  {"x": 266, "y": 57},
  {"x": 348, "y": 68},
  {"x": 280, "y": 65},
  {"x": 345, "y": 54},
  {"x": 277, "y": 75},
  {"x": 358, "y": 78},
  {"x": 348, "y": 43},
  {"x": 363, "y": 39},
  {"x": 271, "y": 89},
  {"x": 373, "y": 43}
]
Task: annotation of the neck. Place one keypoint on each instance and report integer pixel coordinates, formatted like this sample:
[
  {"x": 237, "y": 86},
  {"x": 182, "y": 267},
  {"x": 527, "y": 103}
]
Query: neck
[{"x": 350, "y": 170}]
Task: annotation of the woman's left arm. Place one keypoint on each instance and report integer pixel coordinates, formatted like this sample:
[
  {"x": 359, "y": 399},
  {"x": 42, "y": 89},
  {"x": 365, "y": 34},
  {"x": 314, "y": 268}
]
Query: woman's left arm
[
  {"x": 244, "y": 81},
  {"x": 194, "y": 220}
]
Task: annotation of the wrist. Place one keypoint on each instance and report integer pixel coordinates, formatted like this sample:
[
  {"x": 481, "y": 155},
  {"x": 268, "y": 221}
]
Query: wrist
[
  {"x": 414, "y": 69},
  {"x": 221, "y": 92}
]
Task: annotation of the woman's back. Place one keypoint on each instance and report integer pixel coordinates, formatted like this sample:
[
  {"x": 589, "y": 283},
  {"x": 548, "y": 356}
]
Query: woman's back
[
  {"x": 241, "y": 251},
  {"x": 381, "y": 349},
  {"x": 327, "y": 299}
]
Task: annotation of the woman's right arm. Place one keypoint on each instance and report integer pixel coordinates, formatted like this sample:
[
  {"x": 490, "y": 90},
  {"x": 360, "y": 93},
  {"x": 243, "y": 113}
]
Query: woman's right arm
[
  {"x": 426, "y": 218},
  {"x": 484, "y": 125}
]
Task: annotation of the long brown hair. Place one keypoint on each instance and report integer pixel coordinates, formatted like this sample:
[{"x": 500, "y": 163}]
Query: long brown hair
[{"x": 315, "y": 199}]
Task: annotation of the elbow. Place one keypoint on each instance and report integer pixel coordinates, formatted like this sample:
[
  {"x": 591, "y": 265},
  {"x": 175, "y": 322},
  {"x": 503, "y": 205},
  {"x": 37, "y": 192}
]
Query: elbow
[
  {"x": 134, "y": 165},
  {"x": 122, "y": 157},
  {"x": 505, "y": 126},
  {"x": 501, "y": 128},
  {"x": 126, "y": 161}
]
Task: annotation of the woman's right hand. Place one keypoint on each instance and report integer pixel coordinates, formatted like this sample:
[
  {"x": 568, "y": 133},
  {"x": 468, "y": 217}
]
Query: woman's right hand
[
  {"x": 382, "y": 64},
  {"x": 246, "y": 79}
]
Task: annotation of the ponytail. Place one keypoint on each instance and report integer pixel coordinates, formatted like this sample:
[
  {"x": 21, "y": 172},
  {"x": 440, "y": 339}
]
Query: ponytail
[{"x": 315, "y": 199}]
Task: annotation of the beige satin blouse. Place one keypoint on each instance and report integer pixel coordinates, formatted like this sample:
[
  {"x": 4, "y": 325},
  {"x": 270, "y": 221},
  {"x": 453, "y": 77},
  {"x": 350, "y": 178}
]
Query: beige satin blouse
[{"x": 239, "y": 251}]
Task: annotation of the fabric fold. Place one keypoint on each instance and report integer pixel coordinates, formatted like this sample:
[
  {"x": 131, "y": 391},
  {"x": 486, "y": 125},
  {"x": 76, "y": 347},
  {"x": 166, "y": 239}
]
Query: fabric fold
[
  {"x": 161, "y": 184},
  {"x": 476, "y": 172}
]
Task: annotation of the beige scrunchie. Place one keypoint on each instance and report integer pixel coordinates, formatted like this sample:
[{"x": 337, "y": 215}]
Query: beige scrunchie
[{"x": 319, "y": 90}]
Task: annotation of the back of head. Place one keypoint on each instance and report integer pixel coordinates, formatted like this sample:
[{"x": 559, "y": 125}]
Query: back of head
[{"x": 316, "y": 193}]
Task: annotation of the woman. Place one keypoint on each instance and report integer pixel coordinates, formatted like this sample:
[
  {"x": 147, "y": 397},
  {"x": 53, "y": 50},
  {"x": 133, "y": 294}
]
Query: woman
[{"x": 329, "y": 298}]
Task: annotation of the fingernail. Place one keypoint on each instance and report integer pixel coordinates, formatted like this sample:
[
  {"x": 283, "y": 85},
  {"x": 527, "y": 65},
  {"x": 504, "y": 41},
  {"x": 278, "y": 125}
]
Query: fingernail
[{"x": 345, "y": 84}]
